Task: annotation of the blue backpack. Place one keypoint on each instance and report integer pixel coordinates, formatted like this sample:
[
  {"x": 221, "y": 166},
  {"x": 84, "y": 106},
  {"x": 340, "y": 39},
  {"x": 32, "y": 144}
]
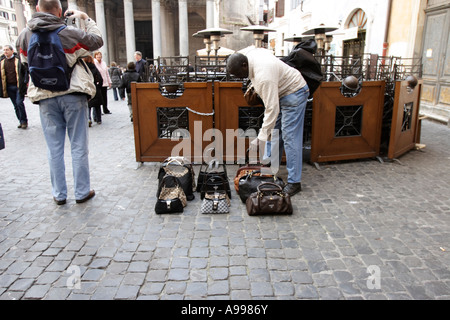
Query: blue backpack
[{"x": 47, "y": 61}]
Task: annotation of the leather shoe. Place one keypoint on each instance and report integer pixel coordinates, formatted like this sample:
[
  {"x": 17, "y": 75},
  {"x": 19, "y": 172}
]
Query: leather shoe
[
  {"x": 89, "y": 196},
  {"x": 293, "y": 188},
  {"x": 59, "y": 202}
]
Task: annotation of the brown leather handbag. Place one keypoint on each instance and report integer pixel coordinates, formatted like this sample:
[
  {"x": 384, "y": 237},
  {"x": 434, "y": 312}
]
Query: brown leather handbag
[
  {"x": 252, "y": 98},
  {"x": 269, "y": 199}
]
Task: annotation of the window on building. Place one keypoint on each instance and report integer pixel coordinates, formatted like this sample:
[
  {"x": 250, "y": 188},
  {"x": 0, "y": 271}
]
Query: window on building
[
  {"x": 4, "y": 15},
  {"x": 355, "y": 47},
  {"x": 279, "y": 8}
]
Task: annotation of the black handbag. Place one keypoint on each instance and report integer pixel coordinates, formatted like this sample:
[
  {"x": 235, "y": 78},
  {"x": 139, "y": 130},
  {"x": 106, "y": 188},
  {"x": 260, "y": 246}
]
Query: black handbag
[
  {"x": 169, "y": 206},
  {"x": 249, "y": 183},
  {"x": 2, "y": 138},
  {"x": 215, "y": 184},
  {"x": 208, "y": 172},
  {"x": 180, "y": 168}
]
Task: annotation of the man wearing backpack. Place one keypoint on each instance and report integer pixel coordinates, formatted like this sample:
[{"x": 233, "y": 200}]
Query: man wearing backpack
[{"x": 63, "y": 110}]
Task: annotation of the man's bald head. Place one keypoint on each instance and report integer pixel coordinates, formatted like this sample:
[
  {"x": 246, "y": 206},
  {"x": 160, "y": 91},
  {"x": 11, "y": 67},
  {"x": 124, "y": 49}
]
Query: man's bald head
[
  {"x": 50, "y": 6},
  {"x": 237, "y": 65}
]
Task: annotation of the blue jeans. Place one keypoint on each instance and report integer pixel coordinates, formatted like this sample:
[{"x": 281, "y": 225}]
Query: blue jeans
[
  {"x": 19, "y": 106},
  {"x": 290, "y": 124},
  {"x": 116, "y": 93},
  {"x": 58, "y": 115}
]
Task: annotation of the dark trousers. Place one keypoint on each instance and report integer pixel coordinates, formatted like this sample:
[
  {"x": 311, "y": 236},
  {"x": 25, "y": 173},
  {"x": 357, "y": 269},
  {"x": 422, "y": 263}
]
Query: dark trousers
[
  {"x": 105, "y": 100},
  {"x": 19, "y": 106},
  {"x": 96, "y": 113}
]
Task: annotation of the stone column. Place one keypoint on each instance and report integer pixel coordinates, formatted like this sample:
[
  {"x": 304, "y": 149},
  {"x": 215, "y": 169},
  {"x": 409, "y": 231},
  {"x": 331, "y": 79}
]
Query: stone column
[
  {"x": 209, "y": 14},
  {"x": 184, "y": 27},
  {"x": 90, "y": 9},
  {"x": 130, "y": 37},
  {"x": 156, "y": 24},
  {"x": 21, "y": 21},
  {"x": 110, "y": 32},
  {"x": 101, "y": 23}
]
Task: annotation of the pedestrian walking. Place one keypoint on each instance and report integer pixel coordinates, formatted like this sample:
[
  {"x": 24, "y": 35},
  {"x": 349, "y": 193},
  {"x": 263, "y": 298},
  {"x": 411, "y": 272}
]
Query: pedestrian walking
[
  {"x": 95, "y": 103},
  {"x": 13, "y": 84},
  {"x": 103, "y": 68},
  {"x": 65, "y": 111},
  {"x": 141, "y": 64},
  {"x": 284, "y": 92},
  {"x": 116, "y": 79},
  {"x": 130, "y": 75}
]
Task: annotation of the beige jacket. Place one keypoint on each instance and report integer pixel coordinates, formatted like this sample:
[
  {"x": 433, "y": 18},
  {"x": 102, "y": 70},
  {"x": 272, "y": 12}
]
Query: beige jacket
[{"x": 272, "y": 79}]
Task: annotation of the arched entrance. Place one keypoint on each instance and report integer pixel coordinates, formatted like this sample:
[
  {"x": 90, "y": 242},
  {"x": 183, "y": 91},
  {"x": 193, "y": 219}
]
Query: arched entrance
[{"x": 355, "y": 47}]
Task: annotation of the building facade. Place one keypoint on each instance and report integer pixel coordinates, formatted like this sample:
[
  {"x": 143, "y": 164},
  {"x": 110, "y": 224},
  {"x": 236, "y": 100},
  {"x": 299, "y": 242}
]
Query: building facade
[
  {"x": 13, "y": 16},
  {"x": 416, "y": 29},
  {"x": 164, "y": 27}
]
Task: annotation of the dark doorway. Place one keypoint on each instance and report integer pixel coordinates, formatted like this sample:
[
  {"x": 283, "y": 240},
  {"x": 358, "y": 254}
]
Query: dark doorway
[
  {"x": 355, "y": 47},
  {"x": 144, "y": 36}
]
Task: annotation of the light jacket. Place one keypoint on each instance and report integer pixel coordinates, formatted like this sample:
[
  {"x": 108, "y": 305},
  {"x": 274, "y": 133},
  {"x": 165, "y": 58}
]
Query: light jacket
[
  {"x": 77, "y": 43},
  {"x": 272, "y": 80}
]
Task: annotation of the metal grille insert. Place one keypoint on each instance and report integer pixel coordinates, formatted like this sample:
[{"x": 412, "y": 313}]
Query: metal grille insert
[
  {"x": 407, "y": 116},
  {"x": 348, "y": 121},
  {"x": 251, "y": 118},
  {"x": 171, "y": 119}
]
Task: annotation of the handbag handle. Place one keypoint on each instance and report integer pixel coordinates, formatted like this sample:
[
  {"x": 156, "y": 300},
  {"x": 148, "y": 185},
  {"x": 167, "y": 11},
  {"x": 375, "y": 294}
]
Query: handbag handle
[
  {"x": 224, "y": 182},
  {"x": 210, "y": 164},
  {"x": 173, "y": 178},
  {"x": 273, "y": 187},
  {"x": 178, "y": 162},
  {"x": 262, "y": 174}
]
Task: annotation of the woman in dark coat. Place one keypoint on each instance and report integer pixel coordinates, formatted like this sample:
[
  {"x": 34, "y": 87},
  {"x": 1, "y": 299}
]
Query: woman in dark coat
[{"x": 97, "y": 101}]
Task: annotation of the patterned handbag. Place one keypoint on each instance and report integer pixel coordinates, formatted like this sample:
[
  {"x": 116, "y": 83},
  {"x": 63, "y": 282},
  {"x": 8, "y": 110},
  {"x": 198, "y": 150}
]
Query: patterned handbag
[
  {"x": 183, "y": 170},
  {"x": 171, "y": 197},
  {"x": 215, "y": 202}
]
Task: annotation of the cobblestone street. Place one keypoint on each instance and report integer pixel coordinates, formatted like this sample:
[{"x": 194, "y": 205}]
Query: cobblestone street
[{"x": 360, "y": 229}]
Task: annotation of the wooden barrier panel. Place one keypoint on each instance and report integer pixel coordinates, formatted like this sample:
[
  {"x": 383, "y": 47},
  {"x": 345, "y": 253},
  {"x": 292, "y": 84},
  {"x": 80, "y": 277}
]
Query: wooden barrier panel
[
  {"x": 232, "y": 113},
  {"x": 156, "y": 118},
  {"x": 346, "y": 128},
  {"x": 405, "y": 117}
]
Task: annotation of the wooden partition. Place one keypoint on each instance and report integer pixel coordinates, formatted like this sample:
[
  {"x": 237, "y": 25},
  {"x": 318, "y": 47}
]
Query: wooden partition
[
  {"x": 231, "y": 113},
  {"x": 405, "y": 118},
  {"x": 156, "y": 117},
  {"x": 346, "y": 128}
]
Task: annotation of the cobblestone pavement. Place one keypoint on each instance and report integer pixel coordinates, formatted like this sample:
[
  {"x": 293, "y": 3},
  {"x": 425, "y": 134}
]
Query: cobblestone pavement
[{"x": 360, "y": 229}]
